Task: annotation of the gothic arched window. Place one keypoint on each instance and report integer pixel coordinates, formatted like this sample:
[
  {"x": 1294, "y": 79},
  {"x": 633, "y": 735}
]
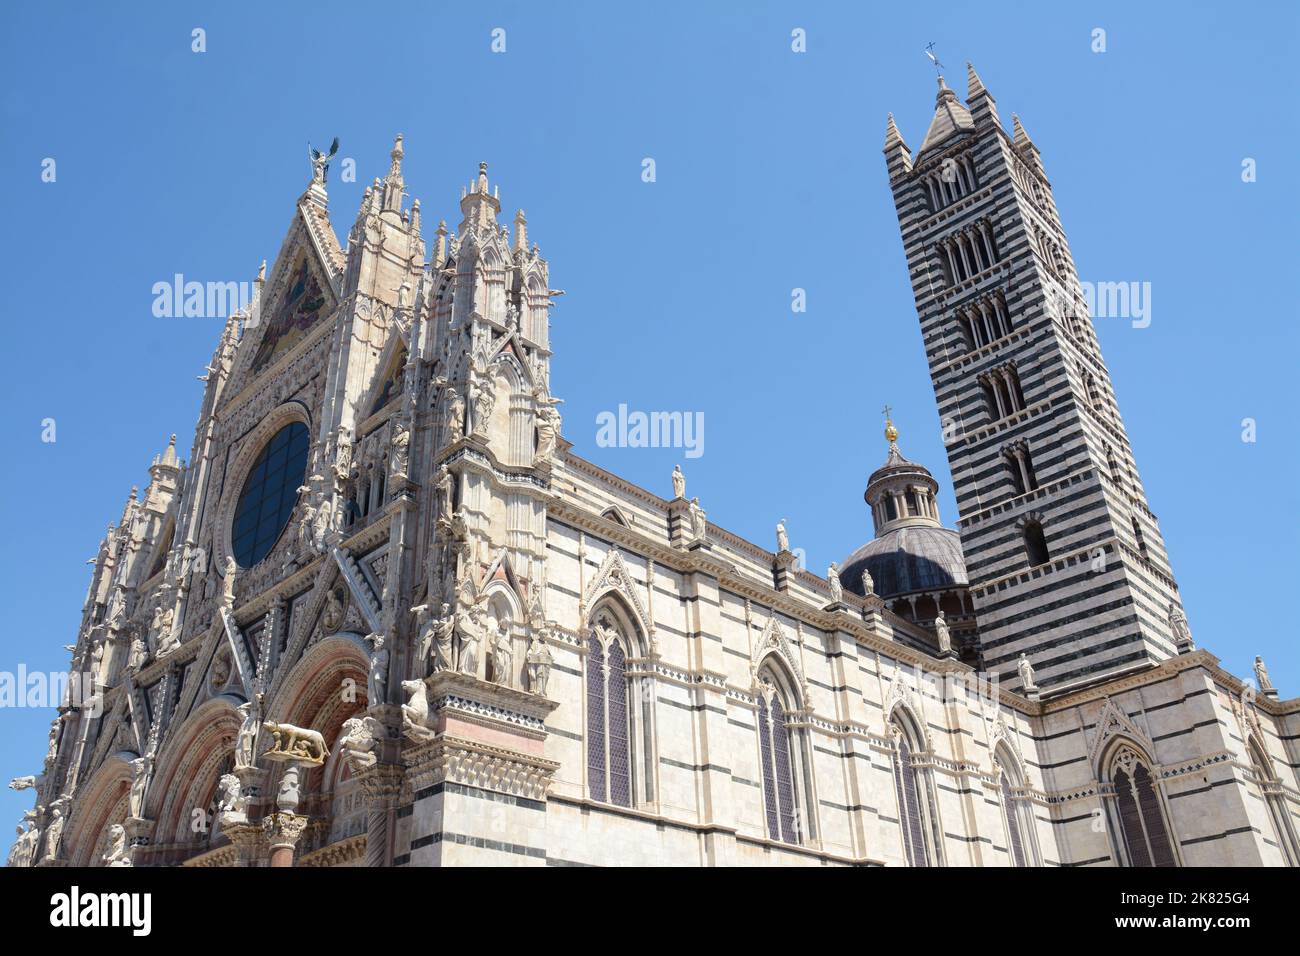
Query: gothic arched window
[
  {"x": 269, "y": 494},
  {"x": 617, "y": 735},
  {"x": 778, "y": 749},
  {"x": 916, "y": 816},
  {"x": 1271, "y": 790},
  {"x": 1144, "y": 835},
  {"x": 1016, "y": 812}
]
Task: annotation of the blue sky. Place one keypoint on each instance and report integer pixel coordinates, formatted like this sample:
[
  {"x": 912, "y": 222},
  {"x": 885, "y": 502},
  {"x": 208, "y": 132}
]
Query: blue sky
[{"x": 769, "y": 177}]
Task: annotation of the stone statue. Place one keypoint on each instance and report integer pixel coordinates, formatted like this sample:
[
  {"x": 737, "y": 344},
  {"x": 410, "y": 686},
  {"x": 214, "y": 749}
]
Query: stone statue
[
  {"x": 360, "y": 734},
  {"x": 377, "y": 681},
  {"x": 22, "y": 783},
  {"x": 401, "y": 443},
  {"x": 52, "y": 751},
  {"x": 168, "y": 639},
  {"x": 470, "y": 630},
  {"x": 322, "y": 524},
  {"x": 548, "y": 431},
  {"x": 443, "y": 635},
  {"x": 1026, "y": 672},
  {"x": 117, "y": 854},
  {"x": 342, "y": 458},
  {"x": 307, "y": 524},
  {"x": 415, "y": 712},
  {"x": 446, "y": 485},
  {"x": 782, "y": 539},
  {"x": 455, "y": 417},
  {"x": 1262, "y": 679},
  {"x": 251, "y": 712},
  {"x": 483, "y": 394},
  {"x": 833, "y": 579},
  {"x": 141, "y": 770},
  {"x": 54, "y": 830},
  {"x": 1180, "y": 630},
  {"x": 679, "y": 482},
  {"x": 138, "y": 655},
  {"x": 333, "y": 616},
  {"x": 699, "y": 526},
  {"x": 228, "y": 584},
  {"x": 298, "y": 743},
  {"x": 502, "y": 655},
  {"x": 16, "y": 851},
  {"x": 30, "y": 841},
  {"x": 115, "y": 615},
  {"x": 868, "y": 585},
  {"x": 941, "y": 633},
  {"x": 232, "y": 805},
  {"x": 539, "y": 660}
]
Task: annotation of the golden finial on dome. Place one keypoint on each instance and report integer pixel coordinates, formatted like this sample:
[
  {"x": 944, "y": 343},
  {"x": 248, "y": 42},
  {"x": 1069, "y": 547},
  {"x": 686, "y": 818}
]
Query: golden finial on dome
[{"x": 891, "y": 433}]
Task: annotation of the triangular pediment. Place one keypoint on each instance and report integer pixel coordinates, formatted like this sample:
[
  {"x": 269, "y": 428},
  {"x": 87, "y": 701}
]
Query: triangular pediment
[
  {"x": 388, "y": 386},
  {"x": 298, "y": 296}
]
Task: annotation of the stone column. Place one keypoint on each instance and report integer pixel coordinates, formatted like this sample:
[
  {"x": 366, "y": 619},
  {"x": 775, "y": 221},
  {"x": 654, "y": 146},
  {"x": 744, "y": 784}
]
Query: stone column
[
  {"x": 248, "y": 840},
  {"x": 283, "y": 831},
  {"x": 382, "y": 785}
]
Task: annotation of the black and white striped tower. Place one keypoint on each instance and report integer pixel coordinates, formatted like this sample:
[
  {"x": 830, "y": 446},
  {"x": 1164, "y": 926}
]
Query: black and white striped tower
[{"x": 1065, "y": 560}]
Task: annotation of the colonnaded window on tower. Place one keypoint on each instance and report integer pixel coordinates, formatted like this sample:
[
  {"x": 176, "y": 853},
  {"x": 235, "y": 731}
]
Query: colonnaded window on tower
[{"x": 269, "y": 495}]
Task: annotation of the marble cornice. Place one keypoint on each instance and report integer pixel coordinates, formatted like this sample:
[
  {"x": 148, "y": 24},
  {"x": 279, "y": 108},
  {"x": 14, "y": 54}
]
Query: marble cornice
[{"x": 1165, "y": 669}]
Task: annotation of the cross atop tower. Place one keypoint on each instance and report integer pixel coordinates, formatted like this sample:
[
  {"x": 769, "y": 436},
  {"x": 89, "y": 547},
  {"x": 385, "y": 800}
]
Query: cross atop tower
[{"x": 929, "y": 51}]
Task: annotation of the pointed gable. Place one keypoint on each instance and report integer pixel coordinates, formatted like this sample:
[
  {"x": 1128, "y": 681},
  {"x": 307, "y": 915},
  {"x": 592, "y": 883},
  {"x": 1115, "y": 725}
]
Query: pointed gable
[
  {"x": 950, "y": 117},
  {"x": 303, "y": 299}
]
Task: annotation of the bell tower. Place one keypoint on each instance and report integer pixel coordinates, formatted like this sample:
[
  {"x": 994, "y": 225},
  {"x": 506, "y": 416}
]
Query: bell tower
[{"x": 1065, "y": 559}]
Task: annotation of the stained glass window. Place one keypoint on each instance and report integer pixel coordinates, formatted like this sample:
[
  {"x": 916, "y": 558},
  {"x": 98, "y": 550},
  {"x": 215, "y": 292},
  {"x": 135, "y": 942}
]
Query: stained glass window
[
  {"x": 776, "y": 751},
  {"x": 609, "y": 725},
  {"x": 269, "y": 494},
  {"x": 595, "y": 718},
  {"x": 784, "y": 773},
  {"x": 1141, "y": 821},
  {"x": 769, "y": 777},
  {"x": 1162, "y": 853},
  {"x": 620, "y": 789},
  {"x": 1014, "y": 837}
]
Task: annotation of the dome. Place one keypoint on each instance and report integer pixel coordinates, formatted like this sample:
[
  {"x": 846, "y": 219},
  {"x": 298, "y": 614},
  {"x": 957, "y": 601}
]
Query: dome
[
  {"x": 907, "y": 559},
  {"x": 911, "y": 551}
]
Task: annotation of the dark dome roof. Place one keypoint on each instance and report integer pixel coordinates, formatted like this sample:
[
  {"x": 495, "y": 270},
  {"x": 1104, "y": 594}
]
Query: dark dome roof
[{"x": 907, "y": 559}]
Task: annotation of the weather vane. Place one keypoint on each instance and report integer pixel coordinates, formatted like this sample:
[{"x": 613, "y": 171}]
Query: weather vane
[{"x": 929, "y": 51}]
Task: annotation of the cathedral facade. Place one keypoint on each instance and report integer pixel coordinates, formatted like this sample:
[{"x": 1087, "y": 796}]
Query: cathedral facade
[{"x": 385, "y": 616}]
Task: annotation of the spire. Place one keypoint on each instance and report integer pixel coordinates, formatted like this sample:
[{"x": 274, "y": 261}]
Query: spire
[
  {"x": 1021, "y": 141},
  {"x": 521, "y": 232},
  {"x": 950, "y": 118},
  {"x": 479, "y": 205},
  {"x": 979, "y": 100},
  {"x": 169, "y": 458},
  {"x": 394, "y": 187},
  {"x": 898, "y": 158},
  {"x": 892, "y": 136},
  {"x": 440, "y": 245},
  {"x": 1019, "y": 137}
]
